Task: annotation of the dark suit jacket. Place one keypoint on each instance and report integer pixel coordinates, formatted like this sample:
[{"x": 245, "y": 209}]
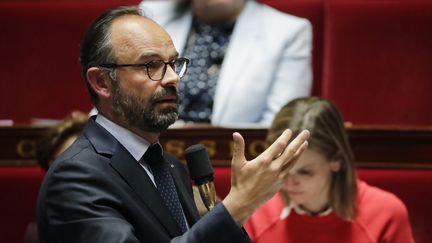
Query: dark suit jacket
[{"x": 97, "y": 192}]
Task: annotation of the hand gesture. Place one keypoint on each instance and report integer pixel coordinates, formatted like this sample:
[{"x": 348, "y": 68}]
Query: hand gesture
[{"x": 256, "y": 181}]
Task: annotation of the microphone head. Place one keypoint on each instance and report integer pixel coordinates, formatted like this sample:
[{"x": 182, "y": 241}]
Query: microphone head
[{"x": 199, "y": 165}]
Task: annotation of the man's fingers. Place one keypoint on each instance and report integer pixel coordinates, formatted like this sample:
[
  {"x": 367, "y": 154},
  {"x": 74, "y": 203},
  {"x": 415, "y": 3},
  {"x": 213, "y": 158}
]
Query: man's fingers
[
  {"x": 287, "y": 166},
  {"x": 276, "y": 148},
  {"x": 295, "y": 147},
  {"x": 238, "y": 157},
  {"x": 238, "y": 150}
]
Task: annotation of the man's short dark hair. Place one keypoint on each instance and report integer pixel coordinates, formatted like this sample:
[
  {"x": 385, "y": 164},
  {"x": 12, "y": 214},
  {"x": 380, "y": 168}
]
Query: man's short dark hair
[{"x": 96, "y": 45}]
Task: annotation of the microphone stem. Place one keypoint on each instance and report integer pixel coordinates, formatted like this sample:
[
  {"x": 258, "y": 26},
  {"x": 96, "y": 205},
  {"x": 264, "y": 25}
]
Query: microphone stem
[{"x": 208, "y": 195}]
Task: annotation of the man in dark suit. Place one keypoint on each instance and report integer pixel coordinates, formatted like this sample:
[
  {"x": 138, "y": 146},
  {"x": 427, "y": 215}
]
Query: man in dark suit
[{"x": 115, "y": 184}]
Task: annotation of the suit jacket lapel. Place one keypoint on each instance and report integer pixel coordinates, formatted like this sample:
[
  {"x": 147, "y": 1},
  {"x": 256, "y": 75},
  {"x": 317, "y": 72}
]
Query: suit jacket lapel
[
  {"x": 134, "y": 175},
  {"x": 244, "y": 39},
  {"x": 139, "y": 181}
]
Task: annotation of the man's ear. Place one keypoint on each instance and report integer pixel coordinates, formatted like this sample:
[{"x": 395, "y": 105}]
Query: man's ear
[
  {"x": 99, "y": 81},
  {"x": 335, "y": 165}
]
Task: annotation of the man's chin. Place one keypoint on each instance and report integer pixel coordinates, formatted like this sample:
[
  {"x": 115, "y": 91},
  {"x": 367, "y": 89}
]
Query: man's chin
[
  {"x": 166, "y": 109},
  {"x": 166, "y": 119},
  {"x": 162, "y": 125}
]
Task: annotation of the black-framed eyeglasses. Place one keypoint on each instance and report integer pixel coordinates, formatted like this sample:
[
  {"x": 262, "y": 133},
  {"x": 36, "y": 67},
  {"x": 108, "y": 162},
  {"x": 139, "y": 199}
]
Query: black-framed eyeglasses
[{"x": 156, "y": 69}]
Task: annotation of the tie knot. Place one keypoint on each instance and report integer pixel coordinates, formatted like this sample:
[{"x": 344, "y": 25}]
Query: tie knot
[{"x": 153, "y": 155}]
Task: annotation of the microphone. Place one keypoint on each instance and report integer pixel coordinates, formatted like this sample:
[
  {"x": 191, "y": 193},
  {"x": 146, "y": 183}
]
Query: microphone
[{"x": 201, "y": 172}]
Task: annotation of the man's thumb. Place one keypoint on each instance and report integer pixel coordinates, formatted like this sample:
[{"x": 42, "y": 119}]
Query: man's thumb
[{"x": 238, "y": 150}]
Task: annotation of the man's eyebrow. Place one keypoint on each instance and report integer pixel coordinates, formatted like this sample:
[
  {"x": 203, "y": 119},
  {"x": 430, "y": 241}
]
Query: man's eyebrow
[
  {"x": 151, "y": 54},
  {"x": 147, "y": 55}
]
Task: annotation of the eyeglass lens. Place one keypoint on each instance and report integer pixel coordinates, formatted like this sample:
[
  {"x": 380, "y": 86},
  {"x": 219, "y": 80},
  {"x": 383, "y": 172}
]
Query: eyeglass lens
[{"x": 157, "y": 69}]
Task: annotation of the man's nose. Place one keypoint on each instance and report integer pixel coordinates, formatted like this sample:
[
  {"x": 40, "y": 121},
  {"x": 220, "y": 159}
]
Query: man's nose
[{"x": 170, "y": 78}]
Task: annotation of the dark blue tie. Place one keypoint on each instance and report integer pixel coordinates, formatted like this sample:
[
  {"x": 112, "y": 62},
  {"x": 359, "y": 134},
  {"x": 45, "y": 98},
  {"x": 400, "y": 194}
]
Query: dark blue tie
[{"x": 165, "y": 183}]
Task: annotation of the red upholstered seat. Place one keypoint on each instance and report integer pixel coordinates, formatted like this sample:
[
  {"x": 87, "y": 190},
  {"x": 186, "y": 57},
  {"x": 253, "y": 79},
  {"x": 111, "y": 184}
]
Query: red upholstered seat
[
  {"x": 39, "y": 43},
  {"x": 19, "y": 187},
  {"x": 377, "y": 62},
  {"x": 313, "y": 10},
  {"x": 222, "y": 180}
]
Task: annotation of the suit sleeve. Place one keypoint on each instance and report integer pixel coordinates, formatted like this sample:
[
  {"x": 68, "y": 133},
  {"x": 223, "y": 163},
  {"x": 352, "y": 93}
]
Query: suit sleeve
[
  {"x": 76, "y": 205},
  {"x": 79, "y": 204},
  {"x": 216, "y": 226}
]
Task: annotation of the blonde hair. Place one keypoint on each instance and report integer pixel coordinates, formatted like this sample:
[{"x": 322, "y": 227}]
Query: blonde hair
[{"x": 328, "y": 137}]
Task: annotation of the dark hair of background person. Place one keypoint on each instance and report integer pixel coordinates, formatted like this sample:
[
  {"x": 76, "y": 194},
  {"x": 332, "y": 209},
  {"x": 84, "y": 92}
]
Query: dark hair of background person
[
  {"x": 48, "y": 147},
  {"x": 327, "y": 136}
]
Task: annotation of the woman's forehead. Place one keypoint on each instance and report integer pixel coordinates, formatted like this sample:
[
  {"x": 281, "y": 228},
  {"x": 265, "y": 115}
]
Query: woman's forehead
[{"x": 310, "y": 159}]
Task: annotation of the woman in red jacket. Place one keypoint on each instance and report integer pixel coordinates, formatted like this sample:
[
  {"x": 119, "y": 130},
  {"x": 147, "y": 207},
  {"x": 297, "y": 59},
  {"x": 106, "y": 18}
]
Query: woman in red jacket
[{"x": 322, "y": 199}]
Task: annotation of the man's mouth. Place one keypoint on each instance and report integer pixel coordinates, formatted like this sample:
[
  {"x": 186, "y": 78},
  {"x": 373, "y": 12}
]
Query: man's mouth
[{"x": 169, "y": 99}]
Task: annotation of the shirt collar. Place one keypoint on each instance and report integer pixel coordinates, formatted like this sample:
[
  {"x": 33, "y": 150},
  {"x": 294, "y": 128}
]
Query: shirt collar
[
  {"x": 287, "y": 210},
  {"x": 133, "y": 143}
]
